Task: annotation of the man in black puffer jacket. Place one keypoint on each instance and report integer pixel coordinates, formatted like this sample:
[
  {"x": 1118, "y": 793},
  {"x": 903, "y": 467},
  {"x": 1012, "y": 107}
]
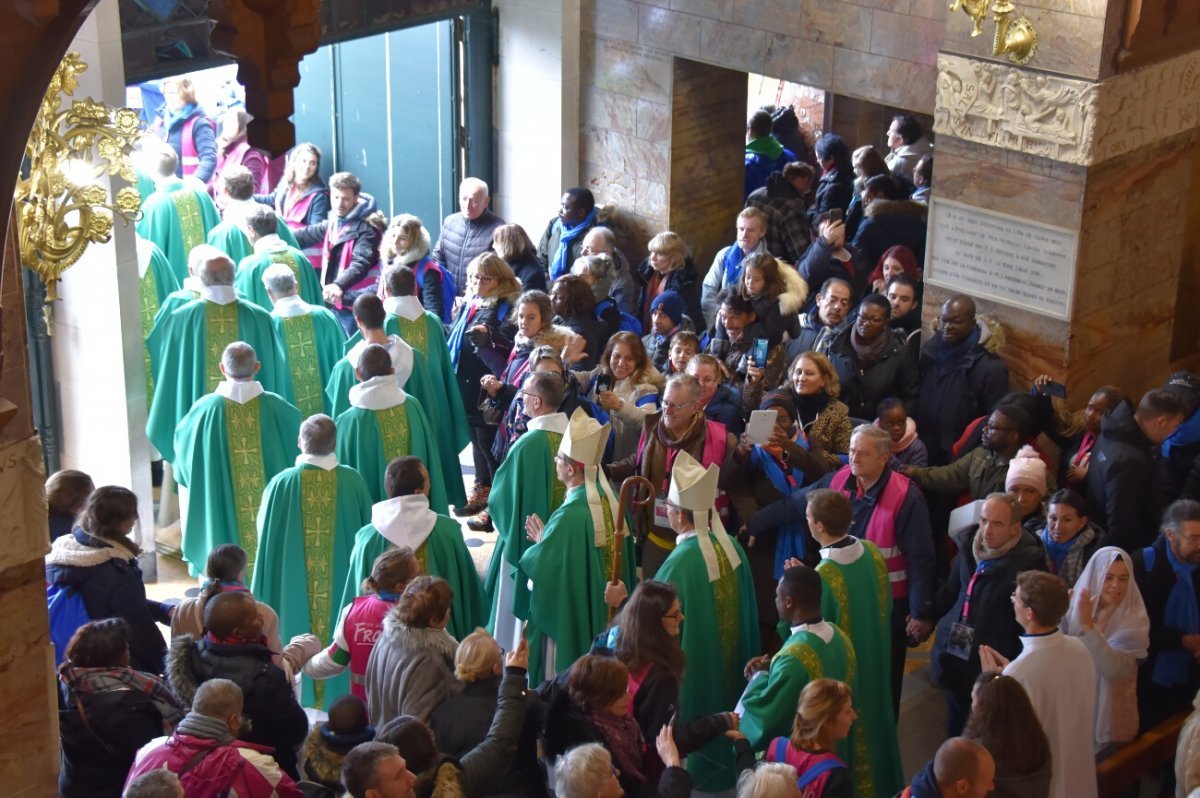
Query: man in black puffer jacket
[
  {"x": 468, "y": 233},
  {"x": 233, "y": 648}
]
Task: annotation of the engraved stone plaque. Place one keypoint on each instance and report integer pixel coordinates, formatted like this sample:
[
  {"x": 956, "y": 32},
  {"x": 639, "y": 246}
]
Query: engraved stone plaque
[{"x": 1003, "y": 258}]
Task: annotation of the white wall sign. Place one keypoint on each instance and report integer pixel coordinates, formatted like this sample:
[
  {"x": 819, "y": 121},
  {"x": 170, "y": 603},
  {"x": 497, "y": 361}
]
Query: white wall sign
[{"x": 1004, "y": 258}]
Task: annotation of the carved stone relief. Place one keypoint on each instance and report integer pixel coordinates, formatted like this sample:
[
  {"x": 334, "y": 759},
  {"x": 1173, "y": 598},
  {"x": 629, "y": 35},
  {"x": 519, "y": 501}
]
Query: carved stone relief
[{"x": 1016, "y": 109}]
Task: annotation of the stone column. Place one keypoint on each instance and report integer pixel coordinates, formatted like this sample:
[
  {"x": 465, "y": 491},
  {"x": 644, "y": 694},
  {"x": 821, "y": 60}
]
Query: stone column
[
  {"x": 98, "y": 351},
  {"x": 1067, "y": 206}
]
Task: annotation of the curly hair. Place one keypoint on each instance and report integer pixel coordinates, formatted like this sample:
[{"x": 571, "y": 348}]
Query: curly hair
[
  {"x": 573, "y": 298},
  {"x": 1004, "y": 722}
]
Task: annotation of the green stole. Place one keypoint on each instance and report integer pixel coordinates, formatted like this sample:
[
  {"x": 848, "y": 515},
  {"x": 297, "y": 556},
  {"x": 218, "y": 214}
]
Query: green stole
[
  {"x": 191, "y": 222},
  {"x": 220, "y": 330},
  {"x": 304, "y": 363},
  {"x": 318, "y": 503},
  {"x": 148, "y": 296},
  {"x": 244, "y": 433}
]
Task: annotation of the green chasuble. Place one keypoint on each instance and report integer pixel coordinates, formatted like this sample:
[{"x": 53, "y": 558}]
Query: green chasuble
[
  {"x": 226, "y": 452},
  {"x": 156, "y": 283},
  {"x": 230, "y": 239},
  {"x": 442, "y": 552},
  {"x": 306, "y": 527},
  {"x": 525, "y": 484},
  {"x": 185, "y": 353},
  {"x": 370, "y": 439},
  {"x": 425, "y": 334},
  {"x": 312, "y": 346},
  {"x": 249, "y": 283},
  {"x": 569, "y": 573},
  {"x": 719, "y": 636},
  {"x": 856, "y": 595},
  {"x": 177, "y": 217}
]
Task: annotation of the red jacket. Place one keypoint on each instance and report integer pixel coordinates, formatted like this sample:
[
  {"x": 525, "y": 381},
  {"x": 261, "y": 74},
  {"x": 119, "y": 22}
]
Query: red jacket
[{"x": 210, "y": 770}]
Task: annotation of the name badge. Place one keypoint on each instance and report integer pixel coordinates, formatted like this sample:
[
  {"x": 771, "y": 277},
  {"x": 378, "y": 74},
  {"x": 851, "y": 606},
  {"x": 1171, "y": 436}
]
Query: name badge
[
  {"x": 962, "y": 638},
  {"x": 660, "y": 514}
]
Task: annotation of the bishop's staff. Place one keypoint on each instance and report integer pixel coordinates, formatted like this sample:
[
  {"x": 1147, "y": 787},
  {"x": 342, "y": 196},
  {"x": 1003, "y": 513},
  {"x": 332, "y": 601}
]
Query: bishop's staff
[{"x": 626, "y": 498}]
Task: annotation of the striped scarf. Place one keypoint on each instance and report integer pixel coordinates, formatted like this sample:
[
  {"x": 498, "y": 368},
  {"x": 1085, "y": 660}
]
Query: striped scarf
[{"x": 106, "y": 680}]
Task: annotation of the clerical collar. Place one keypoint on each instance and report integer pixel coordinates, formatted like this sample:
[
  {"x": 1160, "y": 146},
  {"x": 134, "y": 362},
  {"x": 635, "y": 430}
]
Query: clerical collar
[
  {"x": 1039, "y": 634},
  {"x": 240, "y": 392},
  {"x": 220, "y": 294},
  {"x": 818, "y": 627},
  {"x": 271, "y": 243},
  {"x": 843, "y": 552},
  {"x": 192, "y": 283},
  {"x": 377, "y": 393},
  {"x": 404, "y": 520},
  {"x": 289, "y": 307},
  {"x": 326, "y": 462},
  {"x": 682, "y": 536},
  {"x": 551, "y": 422},
  {"x": 408, "y": 308}
]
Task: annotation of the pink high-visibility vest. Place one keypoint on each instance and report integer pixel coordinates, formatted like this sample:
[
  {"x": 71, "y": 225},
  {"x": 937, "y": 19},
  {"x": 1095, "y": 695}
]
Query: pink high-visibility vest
[{"x": 881, "y": 526}]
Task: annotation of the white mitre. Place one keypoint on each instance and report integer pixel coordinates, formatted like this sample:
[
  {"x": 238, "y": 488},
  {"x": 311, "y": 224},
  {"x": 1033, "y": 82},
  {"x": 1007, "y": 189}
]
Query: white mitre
[
  {"x": 584, "y": 441},
  {"x": 694, "y": 488}
]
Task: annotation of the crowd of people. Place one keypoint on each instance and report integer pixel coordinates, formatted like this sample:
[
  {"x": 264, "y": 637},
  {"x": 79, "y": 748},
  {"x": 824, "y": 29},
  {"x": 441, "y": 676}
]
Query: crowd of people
[{"x": 727, "y": 499}]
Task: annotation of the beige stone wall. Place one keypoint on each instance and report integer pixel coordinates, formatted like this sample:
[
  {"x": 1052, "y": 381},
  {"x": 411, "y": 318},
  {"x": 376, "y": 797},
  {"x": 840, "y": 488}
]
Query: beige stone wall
[{"x": 885, "y": 52}]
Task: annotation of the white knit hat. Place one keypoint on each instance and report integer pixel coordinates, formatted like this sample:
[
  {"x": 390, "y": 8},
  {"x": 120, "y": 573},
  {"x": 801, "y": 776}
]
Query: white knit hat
[{"x": 1027, "y": 469}]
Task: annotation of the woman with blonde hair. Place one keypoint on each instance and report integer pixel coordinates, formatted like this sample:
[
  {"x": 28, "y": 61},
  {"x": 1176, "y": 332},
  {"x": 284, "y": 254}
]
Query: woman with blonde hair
[
  {"x": 824, "y": 716},
  {"x": 867, "y": 163},
  {"x": 411, "y": 669},
  {"x": 625, "y": 385},
  {"x": 406, "y": 243},
  {"x": 815, "y": 388},
  {"x": 511, "y": 242},
  {"x": 480, "y": 342},
  {"x": 668, "y": 267}
]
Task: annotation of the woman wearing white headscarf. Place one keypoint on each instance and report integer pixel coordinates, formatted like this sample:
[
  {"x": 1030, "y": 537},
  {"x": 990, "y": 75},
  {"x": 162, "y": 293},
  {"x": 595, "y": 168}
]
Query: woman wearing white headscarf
[{"x": 1108, "y": 615}]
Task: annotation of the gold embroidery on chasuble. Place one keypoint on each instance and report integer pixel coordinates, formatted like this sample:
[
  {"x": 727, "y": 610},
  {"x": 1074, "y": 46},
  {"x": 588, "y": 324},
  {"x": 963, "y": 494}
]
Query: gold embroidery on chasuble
[
  {"x": 881, "y": 576},
  {"x": 318, "y": 513},
  {"x": 393, "y": 428},
  {"x": 243, "y": 432},
  {"x": 148, "y": 295},
  {"x": 728, "y": 606},
  {"x": 415, "y": 333},
  {"x": 286, "y": 259},
  {"x": 220, "y": 330},
  {"x": 610, "y": 532},
  {"x": 422, "y": 555},
  {"x": 803, "y": 653},
  {"x": 304, "y": 364},
  {"x": 835, "y": 580},
  {"x": 864, "y": 782},
  {"x": 191, "y": 223},
  {"x": 558, "y": 491}
]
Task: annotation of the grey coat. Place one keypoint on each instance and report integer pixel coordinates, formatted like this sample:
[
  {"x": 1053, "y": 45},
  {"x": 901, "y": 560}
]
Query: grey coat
[
  {"x": 410, "y": 672},
  {"x": 461, "y": 240}
]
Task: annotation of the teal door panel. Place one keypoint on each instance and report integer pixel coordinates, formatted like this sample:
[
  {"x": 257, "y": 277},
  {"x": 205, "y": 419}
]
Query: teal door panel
[{"x": 314, "y": 116}]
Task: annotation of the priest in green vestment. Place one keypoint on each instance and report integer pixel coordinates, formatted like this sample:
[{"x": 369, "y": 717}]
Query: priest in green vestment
[
  {"x": 178, "y": 215},
  {"x": 710, "y": 572},
  {"x": 405, "y": 519},
  {"x": 384, "y": 423},
  {"x": 856, "y": 595},
  {"x": 571, "y": 561},
  {"x": 185, "y": 348},
  {"x": 525, "y": 485},
  {"x": 311, "y": 337},
  {"x": 309, "y": 516},
  {"x": 423, "y": 331},
  {"x": 228, "y": 447},
  {"x": 232, "y": 236},
  {"x": 156, "y": 281},
  {"x": 268, "y": 250},
  {"x": 812, "y": 649}
]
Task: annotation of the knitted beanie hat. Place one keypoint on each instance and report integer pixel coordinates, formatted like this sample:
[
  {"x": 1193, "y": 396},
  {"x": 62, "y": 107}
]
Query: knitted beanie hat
[
  {"x": 1028, "y": 469},
  {"x": 671, "y": 303}
]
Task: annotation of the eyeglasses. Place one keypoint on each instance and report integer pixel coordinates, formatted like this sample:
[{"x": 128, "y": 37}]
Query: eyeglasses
[
  {"x": 530, "y": 395},
  {"x": 990, "y": 427},
  {"x": 675, "y": 616},
  {"x": 1015, "y": 597},
  {"x": 673, "y": 406}
]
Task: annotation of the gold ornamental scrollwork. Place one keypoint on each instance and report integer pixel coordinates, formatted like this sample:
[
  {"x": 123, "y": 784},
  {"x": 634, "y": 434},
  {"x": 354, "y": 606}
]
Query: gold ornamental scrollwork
[
  {"x": 63, "y": 207},
  {"x": 1015, "y": 38}
]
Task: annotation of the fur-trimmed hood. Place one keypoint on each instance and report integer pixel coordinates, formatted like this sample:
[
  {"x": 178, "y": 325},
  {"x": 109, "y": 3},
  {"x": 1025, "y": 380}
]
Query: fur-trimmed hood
[
  {"x": 440, "y": 781},
  {"x": 795, "y": 290},
  {"x": 436, "y": 642},
  {"x": 904, "y": 207},
  {"x": 179, "y": 670},
  {"x": 69, "y": 551},
  {"x": 321, "y": 763},
  {"x": 556, "y": 335},
  {"x": 415, "y": 253}
]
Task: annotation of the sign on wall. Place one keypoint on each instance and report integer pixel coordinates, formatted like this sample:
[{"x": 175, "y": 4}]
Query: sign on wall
[{"x": 1003, "y": 258}]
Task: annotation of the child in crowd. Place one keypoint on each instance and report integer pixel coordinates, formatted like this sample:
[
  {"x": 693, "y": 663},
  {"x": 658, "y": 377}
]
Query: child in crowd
[
  {"x": 684, "y": 346},
  {"x": 666, "y": 318},
  {"x": 777, "y": 293},
  {"x": 360, "y": 623},
  {"x": 906, "y": 448},
  {"x": 329, "y": 742}
]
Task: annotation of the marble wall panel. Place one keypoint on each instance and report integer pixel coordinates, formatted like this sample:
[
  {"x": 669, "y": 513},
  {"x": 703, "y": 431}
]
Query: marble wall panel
[
  {"x": 723, "y": 10},
  {"x": 653, "y": 120},
  {"x": 624, "y": 68},
  {"x": 612, "y": 19},
  {"x": 799, "y": 61},
  {"x": 889, "y": 81},
  {"x": 1067, "y": 43},
  {"x": 733, "y": 46},
  {"x": 608, "y": 110},
  {"x": 905, "y": 37},
  {"x": 673, "y": 31},
  {"x": 650, "y": 198},
  {"x": 930, "y": 9},
  {"x": 1000, "y": 187}
]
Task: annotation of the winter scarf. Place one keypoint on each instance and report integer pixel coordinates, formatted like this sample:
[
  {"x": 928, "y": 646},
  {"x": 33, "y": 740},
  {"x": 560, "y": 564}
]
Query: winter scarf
[
  {"x": 660, "y": 451},
  {"x": 1066, "y": 559},
  {"x": 984, "y": 555},
  {"x": 623, "y": 738},
  {"x": 809, "y": 407},
  {"x": 202, "y": 726},
  {"x": 907, "y": 439},
  {"x": 108, "y": 680},
  {"x": 1182, "y": 613},
  {"x": 559, "y": 266},
  {"x": 951, "y": 356},
  {"x": 869, "y": 352}
]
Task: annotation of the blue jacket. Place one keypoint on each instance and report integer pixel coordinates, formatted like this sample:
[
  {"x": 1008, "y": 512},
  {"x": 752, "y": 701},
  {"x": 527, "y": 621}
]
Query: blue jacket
[
  {"x": 204, "y": 137},
  {"x": 726, "y": 407}
]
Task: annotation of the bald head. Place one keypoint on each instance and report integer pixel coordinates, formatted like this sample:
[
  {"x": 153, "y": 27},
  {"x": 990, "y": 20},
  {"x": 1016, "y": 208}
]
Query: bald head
[
  {"x": 375, "y": 361},
  {"x": 958, "y": 318},
  {"x": 963, "y": 769},
  {"x": 211, "y": 265},
  {"x": 232, "y": 615}
]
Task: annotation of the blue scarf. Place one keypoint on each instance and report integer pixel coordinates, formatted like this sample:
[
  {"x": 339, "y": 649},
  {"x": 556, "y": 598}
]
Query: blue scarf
[
  {"x": 459, "y": 330},
  {"x": 171, "y": 118},
  {"x": 1182, "y": 613},
  {"x": 1057, "y": 551},
  {"x": 559, "y": 266},
  {"x": 731, "y": 263},
  {"x": 791, "y": 540},
  {"x": 951, "y": 356}
]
